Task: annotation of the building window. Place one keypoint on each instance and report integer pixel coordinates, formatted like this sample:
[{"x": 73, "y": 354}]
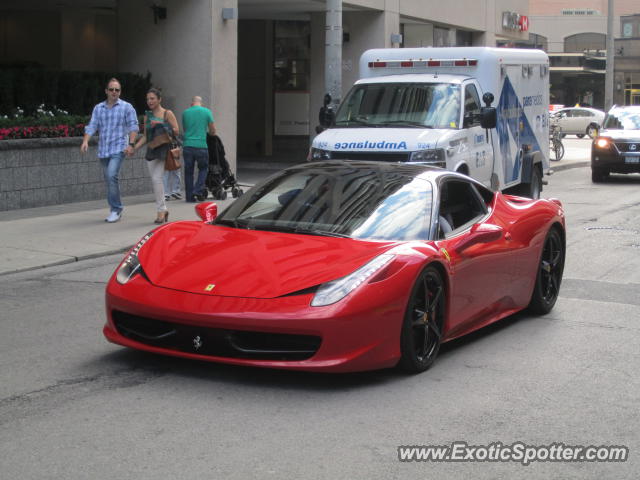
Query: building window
[
  {"x": 291, "y": 55},
  {"x": 464, "y": 38},
  {"x": 582, "y": 42},
  {"x": 441, "y": 37}
]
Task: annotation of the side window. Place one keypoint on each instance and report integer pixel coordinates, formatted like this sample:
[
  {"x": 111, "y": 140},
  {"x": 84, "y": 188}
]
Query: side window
[
  {"x": 460, "y": 206},
  {"x": 471, "y": 106}
]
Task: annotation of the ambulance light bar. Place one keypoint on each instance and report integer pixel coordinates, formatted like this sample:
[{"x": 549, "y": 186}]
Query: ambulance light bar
[{"x": 463, "y": 62}]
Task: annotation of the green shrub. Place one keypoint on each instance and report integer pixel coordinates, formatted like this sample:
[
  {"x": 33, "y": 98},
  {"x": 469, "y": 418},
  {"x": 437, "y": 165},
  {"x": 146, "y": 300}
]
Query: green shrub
[{"x": 29, "y": 86}]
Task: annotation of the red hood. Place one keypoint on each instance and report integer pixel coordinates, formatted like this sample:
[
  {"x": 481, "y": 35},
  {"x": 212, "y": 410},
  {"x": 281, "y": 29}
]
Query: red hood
[{"x": 192, "y": 256}]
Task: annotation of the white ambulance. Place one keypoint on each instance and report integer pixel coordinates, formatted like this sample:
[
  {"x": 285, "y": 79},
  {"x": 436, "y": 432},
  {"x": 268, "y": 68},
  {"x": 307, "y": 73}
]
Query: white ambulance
[{"x": 424, "y": 105}]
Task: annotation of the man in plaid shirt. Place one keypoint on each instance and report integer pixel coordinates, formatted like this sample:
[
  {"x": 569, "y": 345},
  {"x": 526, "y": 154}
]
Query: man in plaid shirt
[{"x": 114, "y": 120}]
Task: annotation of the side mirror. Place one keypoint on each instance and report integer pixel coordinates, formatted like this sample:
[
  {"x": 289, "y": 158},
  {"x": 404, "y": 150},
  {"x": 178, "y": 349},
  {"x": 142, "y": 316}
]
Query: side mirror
[
  {"x": 327, "y": 116},
  {"x": 480, "y": 233},
  {"x": 488, "y": 117},
  {"x": 488, "y": 114},
  {"x": 207, "y": 211}
]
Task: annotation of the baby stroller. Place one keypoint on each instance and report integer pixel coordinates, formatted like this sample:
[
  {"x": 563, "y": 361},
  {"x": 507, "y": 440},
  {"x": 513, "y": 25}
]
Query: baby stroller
[{"x": 219, "y": 178}]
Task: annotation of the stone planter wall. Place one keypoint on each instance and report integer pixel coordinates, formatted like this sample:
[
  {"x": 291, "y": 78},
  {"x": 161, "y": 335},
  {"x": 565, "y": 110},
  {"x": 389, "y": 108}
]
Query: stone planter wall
[{"x": 50, "y": 171}]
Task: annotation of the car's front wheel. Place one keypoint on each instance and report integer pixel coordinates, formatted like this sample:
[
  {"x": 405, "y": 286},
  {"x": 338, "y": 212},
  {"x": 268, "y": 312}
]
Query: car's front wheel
[
  {"x": 423, "y": 322},
  {"x": 592, "y": 131},
  {"x": 549, "y": 275}
]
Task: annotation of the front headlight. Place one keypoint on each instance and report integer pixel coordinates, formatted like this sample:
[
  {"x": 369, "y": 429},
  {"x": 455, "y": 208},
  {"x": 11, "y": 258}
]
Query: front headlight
[
  {"x": 130, "y": 266},
  {"x": 318, "y": 154},
  {"x": 602, "y": 142},
  {"x": 433, "y": 157},
  {"x": 336, "y": 290}
]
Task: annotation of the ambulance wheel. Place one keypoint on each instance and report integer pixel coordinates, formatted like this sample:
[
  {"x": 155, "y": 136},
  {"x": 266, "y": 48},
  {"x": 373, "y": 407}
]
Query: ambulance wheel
[
  {"x": 532, "y": 189},
  {"x": 535, "y": 187}
]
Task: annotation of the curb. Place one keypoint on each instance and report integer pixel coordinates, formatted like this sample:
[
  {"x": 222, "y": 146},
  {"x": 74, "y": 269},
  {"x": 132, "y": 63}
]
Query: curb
[
  {"x": 567, "y": 166},
  {"x": 68, "y": 261}
]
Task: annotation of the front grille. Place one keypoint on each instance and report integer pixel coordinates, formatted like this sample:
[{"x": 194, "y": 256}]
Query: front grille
[
  {"x": 633, "y": 147},
  {"x": 376, "y": 156},
  {"x": 216, "y": 342}
]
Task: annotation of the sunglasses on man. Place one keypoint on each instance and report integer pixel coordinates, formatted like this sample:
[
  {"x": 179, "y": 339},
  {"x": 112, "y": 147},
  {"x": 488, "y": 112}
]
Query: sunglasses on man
[{"x": 114, "y": 89}]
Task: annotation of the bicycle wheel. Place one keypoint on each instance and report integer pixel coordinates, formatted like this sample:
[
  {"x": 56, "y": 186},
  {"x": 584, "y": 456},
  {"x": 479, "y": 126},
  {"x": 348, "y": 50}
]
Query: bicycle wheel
[{"x": 558, "y": 150}]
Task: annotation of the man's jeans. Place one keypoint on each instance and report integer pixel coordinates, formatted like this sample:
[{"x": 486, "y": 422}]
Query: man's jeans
[
  {"x": 111, "y": 169},
  {"x": 172, "y": 181},
  {"x": 193, "y": 156}
]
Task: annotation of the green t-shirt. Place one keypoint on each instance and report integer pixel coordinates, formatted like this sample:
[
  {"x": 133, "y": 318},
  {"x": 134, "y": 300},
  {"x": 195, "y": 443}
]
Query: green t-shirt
[{"x": 195, "y": 121}]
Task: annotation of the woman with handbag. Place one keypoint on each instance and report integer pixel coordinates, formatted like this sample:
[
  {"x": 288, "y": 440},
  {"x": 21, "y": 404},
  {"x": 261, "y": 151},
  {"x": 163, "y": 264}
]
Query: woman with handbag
[{"x": 160, "y": 132}]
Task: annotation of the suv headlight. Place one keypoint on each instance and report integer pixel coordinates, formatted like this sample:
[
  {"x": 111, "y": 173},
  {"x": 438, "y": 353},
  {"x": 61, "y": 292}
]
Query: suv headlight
[
  {"x": 433, "y": 157},
  {"x": 602, "y": 142},
  {"x": 336, "y": 290},
  {"x": 318, "y": 154},
  {"x": 130, "y": 266}
]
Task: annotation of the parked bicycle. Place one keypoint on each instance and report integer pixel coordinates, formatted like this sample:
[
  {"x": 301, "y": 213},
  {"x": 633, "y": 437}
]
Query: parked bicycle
[{"x": 555, "y": 139}]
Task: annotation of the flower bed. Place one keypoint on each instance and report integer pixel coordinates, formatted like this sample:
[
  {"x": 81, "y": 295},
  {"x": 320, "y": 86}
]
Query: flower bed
[
  {"x": 45, "y": 123},
  {"x": 16, "y": 133}
]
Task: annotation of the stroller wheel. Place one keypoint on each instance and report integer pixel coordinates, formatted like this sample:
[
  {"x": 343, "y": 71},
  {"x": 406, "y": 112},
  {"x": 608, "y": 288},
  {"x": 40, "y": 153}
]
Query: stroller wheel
[
  {"x": 220, "y": 194},
  {"x": 235, "y": 192}
]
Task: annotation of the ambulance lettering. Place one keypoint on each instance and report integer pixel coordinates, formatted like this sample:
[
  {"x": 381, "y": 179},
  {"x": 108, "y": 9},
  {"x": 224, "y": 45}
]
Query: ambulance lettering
[{"x": 381, "y": 145}]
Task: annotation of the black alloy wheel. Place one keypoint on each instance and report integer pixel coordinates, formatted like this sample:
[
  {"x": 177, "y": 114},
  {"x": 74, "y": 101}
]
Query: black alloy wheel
[
  {"x": 423, "y": 322},
  {"x": 549, "y": 275}
]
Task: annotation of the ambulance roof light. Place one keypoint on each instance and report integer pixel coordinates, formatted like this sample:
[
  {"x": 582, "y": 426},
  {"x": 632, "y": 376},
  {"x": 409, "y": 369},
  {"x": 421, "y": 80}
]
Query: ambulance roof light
[{"x": 461, "y": 62}]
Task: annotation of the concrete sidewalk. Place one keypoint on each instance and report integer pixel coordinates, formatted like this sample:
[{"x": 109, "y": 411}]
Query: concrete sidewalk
[{"x": 46, "y": 236}]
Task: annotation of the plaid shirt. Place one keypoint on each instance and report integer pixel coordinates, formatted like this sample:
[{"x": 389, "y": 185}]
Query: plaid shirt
[{"x": 113, "y": 124}]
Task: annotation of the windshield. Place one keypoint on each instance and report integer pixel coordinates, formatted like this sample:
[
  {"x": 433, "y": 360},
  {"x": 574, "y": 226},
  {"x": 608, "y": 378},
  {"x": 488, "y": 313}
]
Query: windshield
[
  {"x": 423, "y": 105},
  {"x": 366, "y": 203},
  {"x": 622, "y": 120}
]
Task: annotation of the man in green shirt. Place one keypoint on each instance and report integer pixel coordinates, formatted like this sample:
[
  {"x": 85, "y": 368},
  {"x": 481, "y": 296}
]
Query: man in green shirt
[{"x": 197, "y": 121}]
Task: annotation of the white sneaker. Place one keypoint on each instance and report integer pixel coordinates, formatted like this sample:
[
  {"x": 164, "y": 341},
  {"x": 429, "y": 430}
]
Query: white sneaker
[{"x": 113, "y": 217}]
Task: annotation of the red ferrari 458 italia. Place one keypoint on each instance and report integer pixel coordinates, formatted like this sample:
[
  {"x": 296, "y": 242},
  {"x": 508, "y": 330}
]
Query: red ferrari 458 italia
[{"x": 338, "y": 266}]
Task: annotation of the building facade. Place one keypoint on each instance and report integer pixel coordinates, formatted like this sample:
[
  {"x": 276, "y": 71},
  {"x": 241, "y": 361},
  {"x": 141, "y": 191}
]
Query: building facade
[
  {"x": 573, "y": 32},
  {"x": 258, "y": 64}
]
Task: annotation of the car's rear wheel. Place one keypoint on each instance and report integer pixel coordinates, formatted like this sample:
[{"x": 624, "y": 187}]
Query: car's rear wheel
[
  {"x": 598, "y": 175},
  {"x": 549, "y": 275},
  {"x": 580, "y": 135},
  {"x": 423, "y": 321},
  {"x": 592, "y": 131}
]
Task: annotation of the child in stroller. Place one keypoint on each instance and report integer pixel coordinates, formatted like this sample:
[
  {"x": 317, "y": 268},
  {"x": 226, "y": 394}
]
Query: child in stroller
[{"x": 219, "y": 178}]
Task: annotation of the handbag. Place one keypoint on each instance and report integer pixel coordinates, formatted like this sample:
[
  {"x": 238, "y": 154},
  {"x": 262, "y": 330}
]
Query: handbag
[
  {"x": 158, "y": 140},
  {"x": 172, "y": 160}
]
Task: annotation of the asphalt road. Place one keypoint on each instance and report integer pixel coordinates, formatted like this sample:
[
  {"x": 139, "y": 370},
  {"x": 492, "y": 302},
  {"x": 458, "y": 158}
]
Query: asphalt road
[{"x": 76, "y": 407}]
